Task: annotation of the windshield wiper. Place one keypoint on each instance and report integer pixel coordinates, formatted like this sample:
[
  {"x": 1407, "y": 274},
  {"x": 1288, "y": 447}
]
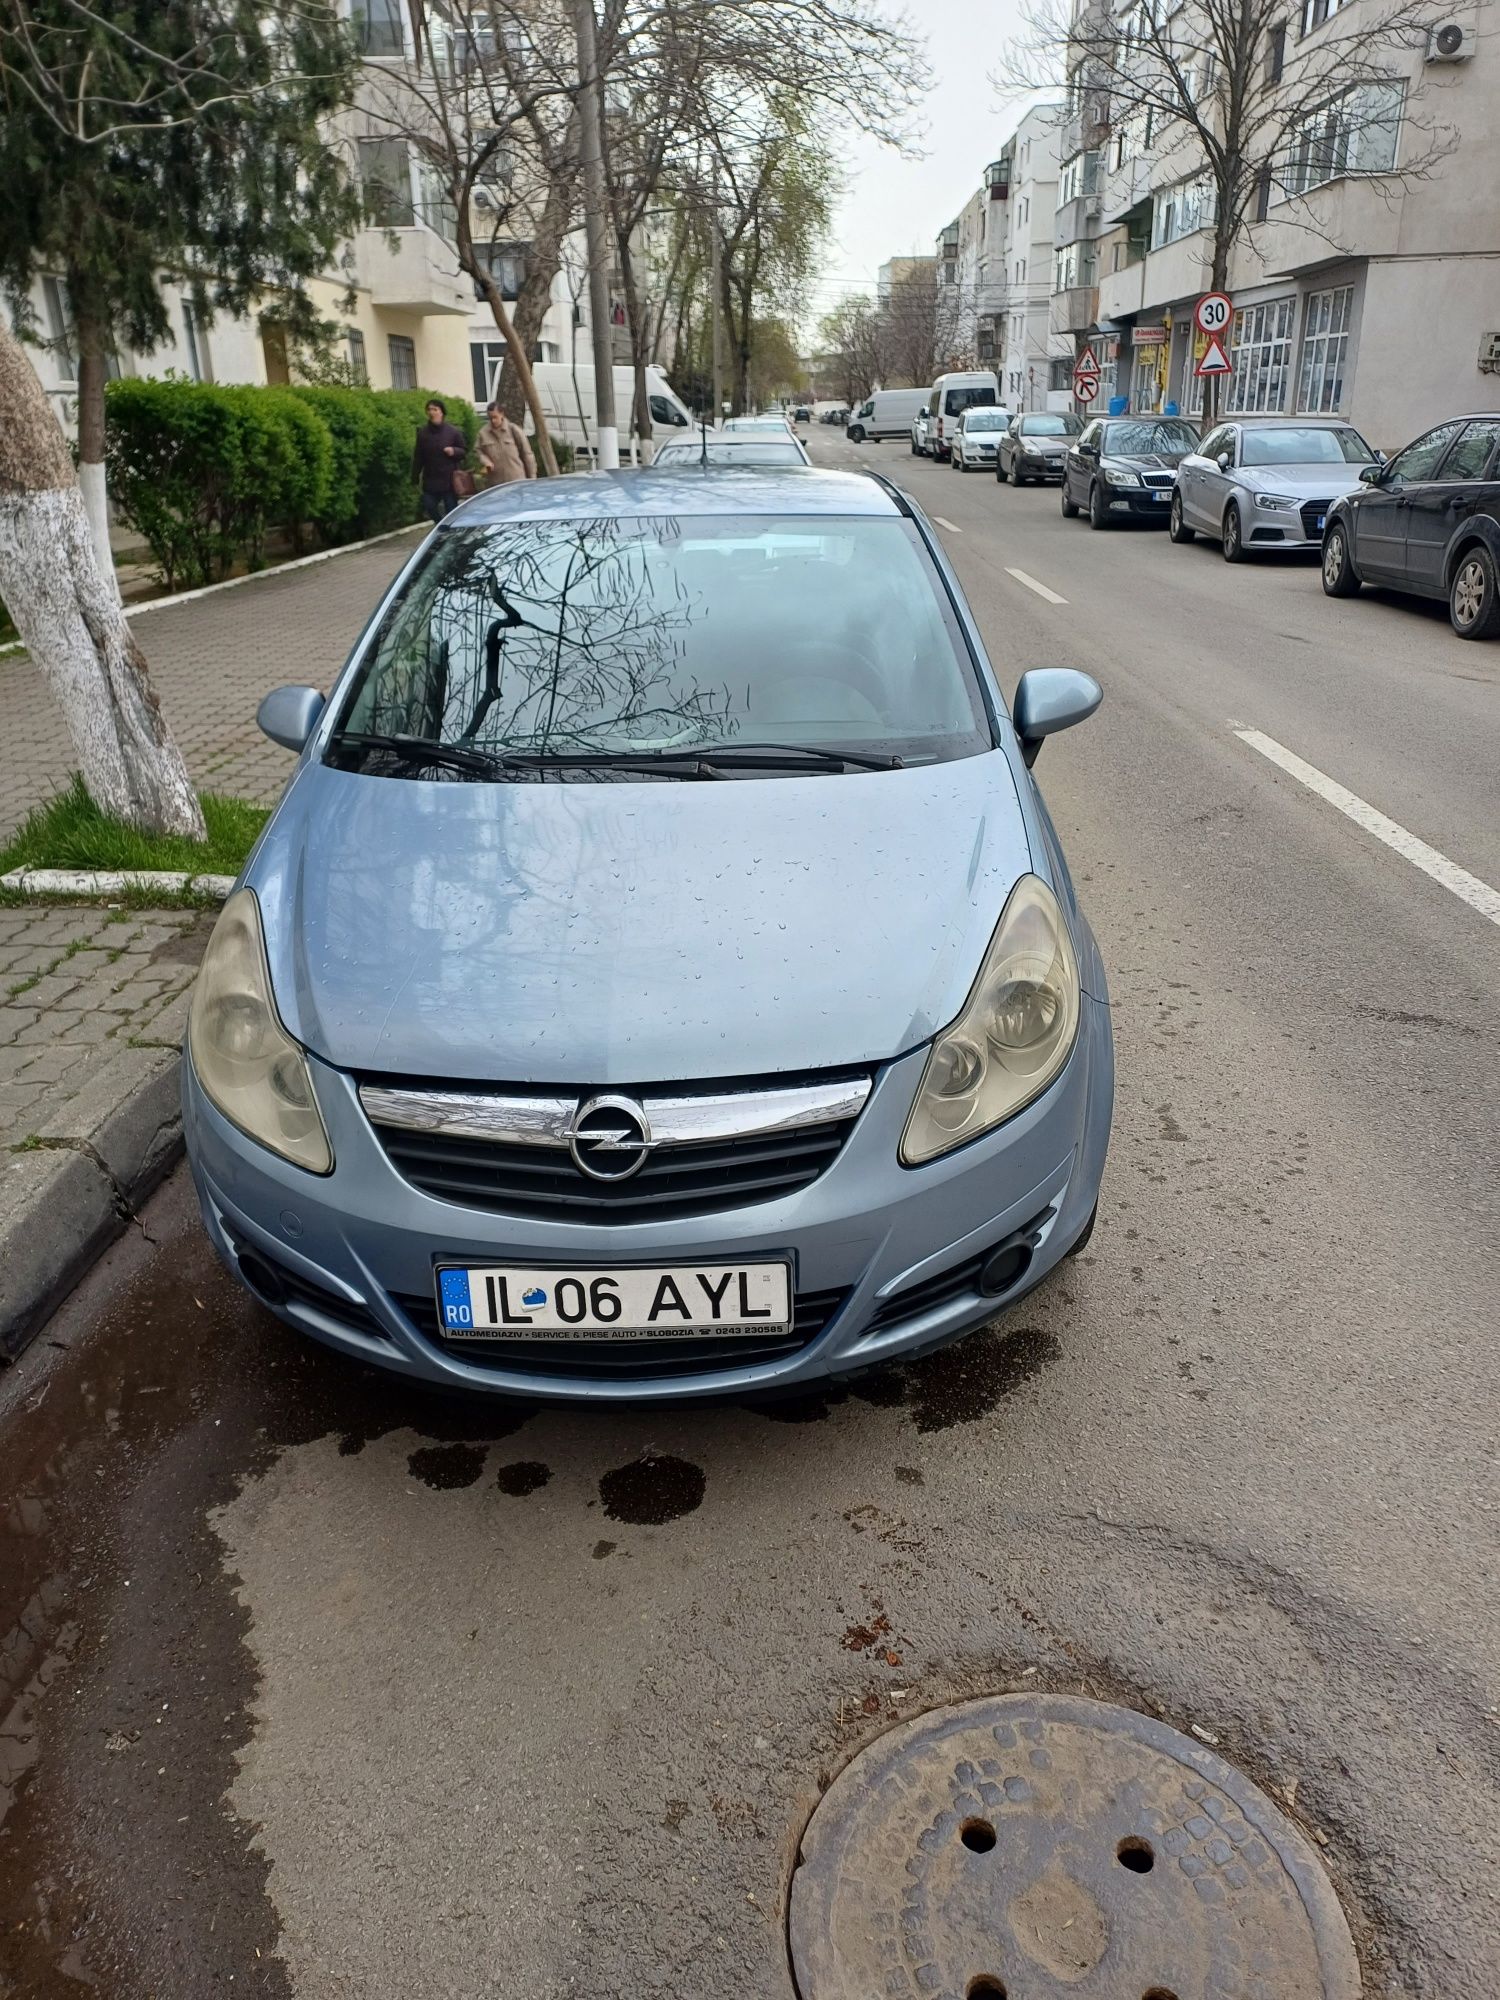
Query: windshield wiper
[
  {"x": 765, "y": 756},
  {"x": 421, "y": 750},
  {"x": 670, "y": 763}
]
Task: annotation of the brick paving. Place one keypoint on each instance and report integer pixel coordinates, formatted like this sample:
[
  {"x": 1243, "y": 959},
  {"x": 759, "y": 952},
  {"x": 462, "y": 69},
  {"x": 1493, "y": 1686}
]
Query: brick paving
[
  {"x": 77, "y": 985},
  {"x": 211, "y": 661}
]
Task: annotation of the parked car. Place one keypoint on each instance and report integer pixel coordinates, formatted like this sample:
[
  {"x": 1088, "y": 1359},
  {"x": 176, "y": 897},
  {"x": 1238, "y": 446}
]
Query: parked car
[
  {"x": 740, "y": 448},
  {"x": 1428, "y": 523},
  {"x": 1033, "y": 445},
  {"x": 514, "y": 1063},
  {"x": 802, "y": 414},
  {"x": 919, "y": 428},
  {"x": 833, "y": 413},
  {"x": 976, "y": 437},
  {"x": 768, "y": 424},
  {"x": 886, "y": 414},
  {"x": 1124, "y": 466},
  {"x": 1266, "y": 483},
  {"x": 951, "y": 395}
]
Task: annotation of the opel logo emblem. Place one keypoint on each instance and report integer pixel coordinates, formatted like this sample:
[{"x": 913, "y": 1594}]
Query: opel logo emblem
[{"x": 609, "y": 1138}]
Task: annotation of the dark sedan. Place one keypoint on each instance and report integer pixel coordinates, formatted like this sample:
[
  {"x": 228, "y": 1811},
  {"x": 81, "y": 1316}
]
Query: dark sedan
[
  {"x": 1427, "y": 522},
  {"x": 1125, "y": 466},
  {"x": 1033, "y": 446}
]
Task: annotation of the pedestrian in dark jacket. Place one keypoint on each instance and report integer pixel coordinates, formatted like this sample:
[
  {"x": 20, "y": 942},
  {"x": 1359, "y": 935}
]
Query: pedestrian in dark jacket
[{"x": 440, "y": 452}]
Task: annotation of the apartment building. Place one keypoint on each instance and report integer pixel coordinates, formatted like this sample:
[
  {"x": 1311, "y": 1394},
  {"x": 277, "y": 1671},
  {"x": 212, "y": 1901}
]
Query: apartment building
[
  {"x": 1357, "y": 291},
  {"x": 994, "y": 267}
]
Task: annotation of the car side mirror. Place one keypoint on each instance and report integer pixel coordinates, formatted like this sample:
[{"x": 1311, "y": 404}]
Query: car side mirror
[
  {"x": 289, "y": 715},
  {"x": 1371, "y": 475},
  {"x": 1223, "y": 461},
  {"x": 1049, "y": 699}
]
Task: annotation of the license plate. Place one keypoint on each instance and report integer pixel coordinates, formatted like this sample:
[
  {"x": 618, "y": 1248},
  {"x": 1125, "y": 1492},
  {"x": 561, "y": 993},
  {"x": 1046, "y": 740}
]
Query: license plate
[
  {"x": 1163, "y": 496},
  {"x": 1321, "y": 519},
  {"x": 537, "y": 1302}
]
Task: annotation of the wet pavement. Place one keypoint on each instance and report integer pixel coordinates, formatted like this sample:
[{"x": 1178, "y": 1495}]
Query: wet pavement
[{"x": 313, "y": 1684}]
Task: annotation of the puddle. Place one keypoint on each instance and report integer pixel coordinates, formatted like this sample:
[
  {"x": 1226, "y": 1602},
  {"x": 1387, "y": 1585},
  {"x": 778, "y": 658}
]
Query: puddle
[
  {"x": 652, "y": 1490},
  {"x": 525, "y": 1476},
  {"x": 447, "y": 1467},
  {"x": 957, "y": 1385}
]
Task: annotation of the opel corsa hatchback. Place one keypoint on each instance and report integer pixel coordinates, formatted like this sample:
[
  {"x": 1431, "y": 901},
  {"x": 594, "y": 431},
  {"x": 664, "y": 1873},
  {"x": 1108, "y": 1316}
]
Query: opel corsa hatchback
[{"x": 660, "y": 974}]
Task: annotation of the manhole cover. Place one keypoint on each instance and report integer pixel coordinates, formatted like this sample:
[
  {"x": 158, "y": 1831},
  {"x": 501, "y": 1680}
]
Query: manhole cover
[{"x": 1034, "y": 1846}]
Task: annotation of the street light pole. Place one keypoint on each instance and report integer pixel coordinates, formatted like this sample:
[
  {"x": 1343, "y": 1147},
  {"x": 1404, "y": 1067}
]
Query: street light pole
[{"x": 596, "y": 221}]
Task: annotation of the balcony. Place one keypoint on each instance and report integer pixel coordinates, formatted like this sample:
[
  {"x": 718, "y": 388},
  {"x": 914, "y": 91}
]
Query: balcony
[
  {"x": 1126, "y": 188},
  {"x": 1077, "y": 221},
  {"x": 412, "y": 270},
  {"x": 1123, "y": 293},
  {"x": 1073, "y": 311}
]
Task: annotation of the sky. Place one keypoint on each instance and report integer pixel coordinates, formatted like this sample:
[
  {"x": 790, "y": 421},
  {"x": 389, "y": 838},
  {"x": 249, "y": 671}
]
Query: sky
[{"x": 894, "y": 207}]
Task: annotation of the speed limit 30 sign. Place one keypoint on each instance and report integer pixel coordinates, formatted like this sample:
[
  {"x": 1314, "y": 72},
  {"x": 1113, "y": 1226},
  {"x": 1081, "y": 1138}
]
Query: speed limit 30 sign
[{"x": 1213, "y": 312}]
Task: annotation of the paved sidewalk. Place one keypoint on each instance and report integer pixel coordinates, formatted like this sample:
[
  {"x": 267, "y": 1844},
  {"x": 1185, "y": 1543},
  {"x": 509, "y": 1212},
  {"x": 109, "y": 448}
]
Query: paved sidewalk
[{"x": 211, "y": 661}]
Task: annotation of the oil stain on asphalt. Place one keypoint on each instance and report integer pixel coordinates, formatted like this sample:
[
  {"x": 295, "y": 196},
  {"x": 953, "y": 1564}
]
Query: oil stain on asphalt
[
  {"x": 446, "y": 1467},
  {"x": 524, "y": 1476},
  {"x": 957, "y": 1385},
  {"x": 652, "y": 1490}
]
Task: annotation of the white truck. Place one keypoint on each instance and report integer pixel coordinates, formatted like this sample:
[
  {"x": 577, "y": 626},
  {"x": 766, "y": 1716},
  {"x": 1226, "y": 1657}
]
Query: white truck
[
  {"x": 886, "y": 414},
  {"x": 567, "y": 397}
]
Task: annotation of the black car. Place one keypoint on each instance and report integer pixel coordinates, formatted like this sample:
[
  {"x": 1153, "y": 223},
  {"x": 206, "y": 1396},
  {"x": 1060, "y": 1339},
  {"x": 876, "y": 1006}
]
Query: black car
[
  {"x": 1125, "y": 466},
  {"x": 1033, "y": 446},
  {"x": 1428, "y": 522}
]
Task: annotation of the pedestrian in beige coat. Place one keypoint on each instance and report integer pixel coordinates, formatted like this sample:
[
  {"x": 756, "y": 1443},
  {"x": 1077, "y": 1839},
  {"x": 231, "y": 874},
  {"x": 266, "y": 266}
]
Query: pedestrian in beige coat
[{"x": 503, "y": 450}]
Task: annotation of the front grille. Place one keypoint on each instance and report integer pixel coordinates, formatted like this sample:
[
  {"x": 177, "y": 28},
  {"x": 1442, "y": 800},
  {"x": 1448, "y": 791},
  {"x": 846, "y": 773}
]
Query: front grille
[
  {"x": 1159, "y": 478},
  {"x": 1311, "y": 510},
  {"x": 812, "y": 1313},
  {"x": 677, "y": 1180}
]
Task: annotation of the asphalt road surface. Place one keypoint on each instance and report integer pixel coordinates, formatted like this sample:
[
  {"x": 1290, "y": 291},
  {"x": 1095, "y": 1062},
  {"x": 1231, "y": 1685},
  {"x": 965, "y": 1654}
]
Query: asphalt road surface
[{"x": 320, "y": 1687}]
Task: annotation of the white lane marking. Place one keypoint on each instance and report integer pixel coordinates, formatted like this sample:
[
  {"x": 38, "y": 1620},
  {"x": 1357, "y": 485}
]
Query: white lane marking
[
  {"x": 1468, "y": 888},
  {"x": 952, "y": 526},
  {"x": 1032, "y": 584}
]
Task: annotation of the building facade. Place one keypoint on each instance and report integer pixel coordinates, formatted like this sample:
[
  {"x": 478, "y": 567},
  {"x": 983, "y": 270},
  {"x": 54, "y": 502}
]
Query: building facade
[{"x": 1359, "y": 290}]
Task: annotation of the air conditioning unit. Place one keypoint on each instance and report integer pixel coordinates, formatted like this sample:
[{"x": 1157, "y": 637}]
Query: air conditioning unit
[{"x": 1452, "y": 42}]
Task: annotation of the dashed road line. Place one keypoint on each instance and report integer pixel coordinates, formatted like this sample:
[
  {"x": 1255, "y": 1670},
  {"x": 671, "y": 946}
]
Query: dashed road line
[
  {"x": 952, "y": 526},
  {"x": 1468, "y": 888},
  {"x": 1032, "y": 584}
]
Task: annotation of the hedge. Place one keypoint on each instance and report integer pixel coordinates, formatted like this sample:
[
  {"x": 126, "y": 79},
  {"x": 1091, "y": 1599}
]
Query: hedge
[{"x": 206, "y": 471}]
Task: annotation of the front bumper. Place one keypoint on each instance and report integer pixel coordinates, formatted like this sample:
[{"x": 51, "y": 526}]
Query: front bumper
[
  {"x": 1144, "y": 503},
  {"x": 1031, "y": 467},
  {"x": 337, "y": 1256},
  {"x": 1293, "y": 528}
]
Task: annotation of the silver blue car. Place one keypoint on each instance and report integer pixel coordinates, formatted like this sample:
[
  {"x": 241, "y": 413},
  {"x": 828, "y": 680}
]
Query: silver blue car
[{"x": 660, "y": 975}]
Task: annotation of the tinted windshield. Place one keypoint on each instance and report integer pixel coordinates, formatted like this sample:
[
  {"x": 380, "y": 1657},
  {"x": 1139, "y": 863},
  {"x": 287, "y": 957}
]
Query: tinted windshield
[
  {"x": 745, "y": 451},
  {"x": 1051, "y": 427},
  {"x": 1142, "y": 440},
  {"x": 986, "y": 420},
  {"x": 633, "y": 635},
  {"x": 1303, "y": 444},
  {"x": 955, "y": 400}
]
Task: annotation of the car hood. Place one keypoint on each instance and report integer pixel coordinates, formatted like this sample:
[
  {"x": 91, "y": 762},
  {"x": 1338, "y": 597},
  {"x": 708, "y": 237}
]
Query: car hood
[
  {"x": 1307, "y": 482},
  {"x": 586, "y": 933},
  {"x": 1052, "y": 447},
  {"x": 1147, "y": 461}
]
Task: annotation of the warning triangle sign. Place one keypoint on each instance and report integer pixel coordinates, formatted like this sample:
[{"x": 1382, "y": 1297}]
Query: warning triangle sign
[
  {"x": 1214, "y": 361},
  {"x": 1087, "y": 364}
]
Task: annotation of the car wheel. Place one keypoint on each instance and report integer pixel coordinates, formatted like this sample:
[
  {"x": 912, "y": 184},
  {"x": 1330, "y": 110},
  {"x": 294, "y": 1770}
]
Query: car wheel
[
  {"x": 1015, "y": 474},
  {"x": 1069, "y": 507},
  {"x": 1098, "y": 507},
  {"x": 1474, "y": 599},
  {"x": 1234, "y": 536},
  {"x": 1339, "y": 579},
  {"x": 857, "y": 434},
  {"x": 1177, "y": 528},
  {"x": 1087, "y": 1232}
]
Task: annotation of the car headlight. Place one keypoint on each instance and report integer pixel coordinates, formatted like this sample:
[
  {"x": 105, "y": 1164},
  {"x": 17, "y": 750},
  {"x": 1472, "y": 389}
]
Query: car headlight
[
  {"x": 1119, "y": 475},
  {"x": 247, "y": 1063},
  {"x": 1013, "y": 1036},
  {"x": 1277, "y": 501}
]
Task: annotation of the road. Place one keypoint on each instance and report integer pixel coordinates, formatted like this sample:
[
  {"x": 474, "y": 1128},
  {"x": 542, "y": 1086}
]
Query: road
[{"x": 329, "y": 1689}]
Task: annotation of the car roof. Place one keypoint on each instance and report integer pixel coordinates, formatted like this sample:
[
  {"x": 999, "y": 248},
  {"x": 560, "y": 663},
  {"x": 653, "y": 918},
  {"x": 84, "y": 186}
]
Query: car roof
[
  {"x": 1278, "y": 419},
  {"x": 681, "y": 489}
]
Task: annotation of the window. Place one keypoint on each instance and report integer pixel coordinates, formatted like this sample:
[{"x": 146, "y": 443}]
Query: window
[
  {"x": 506, "y": 263},
  {"x": 1471, "y": 455},
  {"x": 1060, "y": 424},
  {"x": 1072, "y": 265},
  {"x": 403, "y": 353},
  {"x": 1025, "y": 207},
  {"x": 1145, "y": 386},
  {"x": 273, "y": 350},
  {"x": 1325, "y": 348},
  {"x": 359, "y": 367},
  {"x": 1420, "y": 461},
  {"x": 1079, "y": 176},
  {"x": 1316, "y": 12},
  {"x": 1276, "y": 53},
  {"x": 385, "y": 176},
  {"x": 626, "y": 634},
  {"x": 1059, "y": 373},
  {"x": 377, "y": 26},
  {"x": 1179, "y": 211},
  {"x": 1355, "y": 133},
  {"x": 1261, "y": 356},
  {"x": 1220, "y": 440},
  {"x": 191, "y": 344},
  {"x": 1304, "y": 444},
  {"x": 59, "y": 328}
]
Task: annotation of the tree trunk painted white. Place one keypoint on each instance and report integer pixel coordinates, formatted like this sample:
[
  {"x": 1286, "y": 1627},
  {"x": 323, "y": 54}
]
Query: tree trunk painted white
[
  {"x": 71, "y": 622},
  {"x": 92, "y": 486},
  {"x": 93, "y": 373}
]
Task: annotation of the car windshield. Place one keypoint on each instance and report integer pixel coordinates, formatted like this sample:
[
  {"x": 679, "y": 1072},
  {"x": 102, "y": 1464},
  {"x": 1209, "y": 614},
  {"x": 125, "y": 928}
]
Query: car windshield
[
  {"x": 986, "y": 420},
  {"x": 1144, "y": 440},
  {"x": 769, "y": 425},
  {"x": 739, "y": 451},
  {"x": 1051, "y": 426},
  {"x": 654, "y": 635},
  {"x": 1303, "y": 444},
  {"x": 955, "y": 400}
]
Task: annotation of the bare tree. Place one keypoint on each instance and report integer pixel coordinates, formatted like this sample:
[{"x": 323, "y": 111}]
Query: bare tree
[
  {"x": 909, "y": 328},
  {"x": 850, "y": 339},
  {"x": 1252, "y": 110}
]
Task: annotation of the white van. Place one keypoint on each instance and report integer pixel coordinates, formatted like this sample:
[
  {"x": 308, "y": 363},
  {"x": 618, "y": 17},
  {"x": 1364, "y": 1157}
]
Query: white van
[
  {"x": 886, "y": 414},
  {"x": 953, "y": 394},
  {"x": 569, "y": 401}
]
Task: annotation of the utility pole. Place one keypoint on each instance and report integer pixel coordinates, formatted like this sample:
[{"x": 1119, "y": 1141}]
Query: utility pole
[
  {"x": 596, "y": 220},
  {"x": 718, "y": 286}
]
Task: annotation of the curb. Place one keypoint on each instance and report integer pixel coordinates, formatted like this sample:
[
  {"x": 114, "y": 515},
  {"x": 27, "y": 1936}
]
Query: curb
[
  {"x": 80, "y": 1185},
  {"x": 114, "y": 882}
]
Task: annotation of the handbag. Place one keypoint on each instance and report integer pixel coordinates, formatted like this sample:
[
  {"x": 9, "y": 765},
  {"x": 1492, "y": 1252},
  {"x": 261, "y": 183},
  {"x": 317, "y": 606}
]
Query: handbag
[{"x": 463, "y": 484}]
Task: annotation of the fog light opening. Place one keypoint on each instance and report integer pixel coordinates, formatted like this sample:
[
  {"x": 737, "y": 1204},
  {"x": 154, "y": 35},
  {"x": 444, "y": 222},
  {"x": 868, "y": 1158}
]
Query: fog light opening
[
  {"x": 261, "y": 1277},
  {"x": 1004, "y": 1268}
]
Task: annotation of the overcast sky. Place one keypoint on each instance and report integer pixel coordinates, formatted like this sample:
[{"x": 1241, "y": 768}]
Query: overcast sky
[{"x": 894, "y": 207}]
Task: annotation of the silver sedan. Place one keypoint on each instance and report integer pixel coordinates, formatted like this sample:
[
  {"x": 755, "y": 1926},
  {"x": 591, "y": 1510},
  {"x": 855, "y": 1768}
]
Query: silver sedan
[{"x": 1267, "y": 483}]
